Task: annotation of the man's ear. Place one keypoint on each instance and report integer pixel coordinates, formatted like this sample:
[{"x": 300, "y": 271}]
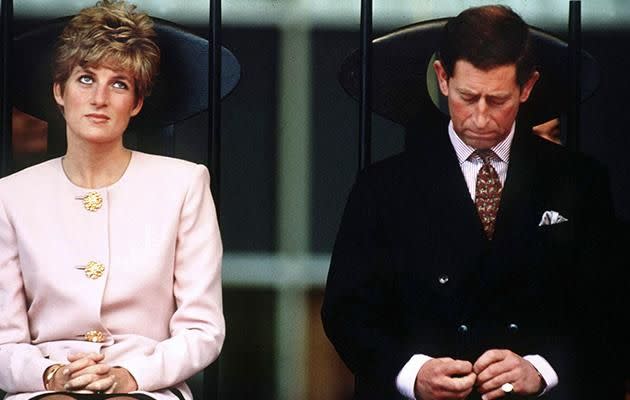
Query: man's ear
[
  {"x": 526, "y": 88},
  {"x": 136, "y": 109},
  {"x": 57, "y": 93},
  {"x": 442, "y": 77}
]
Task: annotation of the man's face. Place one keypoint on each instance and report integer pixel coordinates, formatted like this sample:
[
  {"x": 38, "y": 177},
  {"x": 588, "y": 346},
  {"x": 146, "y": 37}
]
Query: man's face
[{"x": 483, "y": 104}]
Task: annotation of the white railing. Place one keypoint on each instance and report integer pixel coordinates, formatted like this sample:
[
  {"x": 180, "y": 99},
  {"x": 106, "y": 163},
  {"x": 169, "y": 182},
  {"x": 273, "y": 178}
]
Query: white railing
[{"x": 276, "y": 271}]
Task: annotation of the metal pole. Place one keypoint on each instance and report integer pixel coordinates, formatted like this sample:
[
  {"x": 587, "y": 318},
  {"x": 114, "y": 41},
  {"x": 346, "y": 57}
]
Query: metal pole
[
  {"x": 6, "y": 32},
  {"x": 365, "y": 113},
  {"x": 575, "y": 69},
  {"x": 211, "y": 373},
  {"x": 214, "y": 142}
]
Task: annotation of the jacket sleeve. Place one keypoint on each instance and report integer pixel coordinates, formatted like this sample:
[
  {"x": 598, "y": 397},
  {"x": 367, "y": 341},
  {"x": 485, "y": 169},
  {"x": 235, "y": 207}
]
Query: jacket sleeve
[
  {"x": 197, "y": 327},
  {"x": 22, "y": 365},
  {"x": 359, "y": 314}
]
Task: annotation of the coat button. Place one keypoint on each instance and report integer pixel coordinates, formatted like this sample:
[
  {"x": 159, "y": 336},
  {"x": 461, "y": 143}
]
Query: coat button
[
  {"x": 443, "y": 279},
  {"x": 94, "y": 336},
  {"x": 93, "y": 269},
  {"x": 462, "y": 329},
  {"x": 513, "y": 328},
  {"x": 92, "y": 201}
]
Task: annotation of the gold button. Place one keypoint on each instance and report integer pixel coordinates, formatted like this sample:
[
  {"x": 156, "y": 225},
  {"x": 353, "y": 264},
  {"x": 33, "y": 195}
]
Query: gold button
[
  {"x": 93, "y": 269},
  {"x": 94, "y": 336},
  {"x": 92, "y": 201}
]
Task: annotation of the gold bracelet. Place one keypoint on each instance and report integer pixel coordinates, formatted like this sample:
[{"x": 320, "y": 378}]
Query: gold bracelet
[{"x": 51, "y": 374}]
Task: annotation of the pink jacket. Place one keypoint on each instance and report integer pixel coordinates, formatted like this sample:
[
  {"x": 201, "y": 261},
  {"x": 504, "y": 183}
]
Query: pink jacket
[{"x": 137, "y": 279}]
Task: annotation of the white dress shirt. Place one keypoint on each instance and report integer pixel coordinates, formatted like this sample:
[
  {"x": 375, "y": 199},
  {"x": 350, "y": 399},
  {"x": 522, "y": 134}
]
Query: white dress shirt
[{"x": 470, "y": 166}]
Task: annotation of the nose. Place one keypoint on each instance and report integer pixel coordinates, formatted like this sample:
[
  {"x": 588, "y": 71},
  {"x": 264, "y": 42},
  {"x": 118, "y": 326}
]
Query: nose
[
  {"x": 100, "y": 96},
  {"x": 481, "y": 114}
]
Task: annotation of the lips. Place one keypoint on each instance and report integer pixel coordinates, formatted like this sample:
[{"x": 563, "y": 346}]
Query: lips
[
  {"x": 99, "y": 118},
  {"x": 481, "y": 133}
]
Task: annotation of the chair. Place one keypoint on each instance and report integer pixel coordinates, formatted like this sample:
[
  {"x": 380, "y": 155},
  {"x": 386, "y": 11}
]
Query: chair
[
  {"x": 401, "y": 59},
  {"x": 181, "y": 92}
]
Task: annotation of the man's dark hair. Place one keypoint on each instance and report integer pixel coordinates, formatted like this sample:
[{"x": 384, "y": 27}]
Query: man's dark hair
[{"x": 488, "y": 37}]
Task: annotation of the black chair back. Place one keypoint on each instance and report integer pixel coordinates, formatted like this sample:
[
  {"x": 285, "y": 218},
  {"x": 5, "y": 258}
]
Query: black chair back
[
  {"x": 401, "y": 61},
  {"x": 181, "y": 89}
]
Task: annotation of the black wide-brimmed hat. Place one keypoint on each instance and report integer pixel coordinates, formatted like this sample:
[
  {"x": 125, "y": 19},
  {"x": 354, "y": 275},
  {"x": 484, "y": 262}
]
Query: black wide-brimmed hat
[
  {"x": 181, "y": 89},
  {"x": 401, "y": 60}
]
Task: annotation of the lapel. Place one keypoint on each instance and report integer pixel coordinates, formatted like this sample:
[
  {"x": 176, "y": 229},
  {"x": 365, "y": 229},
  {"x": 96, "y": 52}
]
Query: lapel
[
  {"x": 438, "y": 183},
  {"x": 518, "y": 200},
  {"x": 446, "y": 233},
  {"x": 458, "y": 245},
  {"x": 516, "y": 224}
]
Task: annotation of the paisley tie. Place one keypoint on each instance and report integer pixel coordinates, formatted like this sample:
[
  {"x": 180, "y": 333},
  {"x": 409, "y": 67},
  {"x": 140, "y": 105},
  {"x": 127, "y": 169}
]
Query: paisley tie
[{"x": 487, "y": 191}]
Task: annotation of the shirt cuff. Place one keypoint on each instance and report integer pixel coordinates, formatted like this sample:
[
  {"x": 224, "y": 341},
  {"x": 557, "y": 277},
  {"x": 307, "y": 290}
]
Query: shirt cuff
[
  {"x": 545, "y": 370},
  {"x": 406, "y": 378}
]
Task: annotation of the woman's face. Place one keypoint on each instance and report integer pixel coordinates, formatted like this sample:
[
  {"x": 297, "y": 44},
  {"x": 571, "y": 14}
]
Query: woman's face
[{"x": 97, "y": 104}]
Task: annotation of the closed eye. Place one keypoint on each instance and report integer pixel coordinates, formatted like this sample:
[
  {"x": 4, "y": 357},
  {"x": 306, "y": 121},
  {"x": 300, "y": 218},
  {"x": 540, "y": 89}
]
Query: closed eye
[
  {"x": 497, "y": 101},
  {"x": 468, "y": 97}
]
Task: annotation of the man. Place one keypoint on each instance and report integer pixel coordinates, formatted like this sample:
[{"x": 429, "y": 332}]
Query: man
[{"x": 459, "y": 267}]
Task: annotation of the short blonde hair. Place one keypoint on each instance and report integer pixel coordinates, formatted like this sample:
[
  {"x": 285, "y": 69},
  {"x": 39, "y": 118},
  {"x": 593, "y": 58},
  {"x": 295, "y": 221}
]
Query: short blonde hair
[{"x": 111, "y": 34}]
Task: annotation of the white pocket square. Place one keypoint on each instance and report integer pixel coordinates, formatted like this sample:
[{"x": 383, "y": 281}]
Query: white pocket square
[{"x": 551, "y": 218}]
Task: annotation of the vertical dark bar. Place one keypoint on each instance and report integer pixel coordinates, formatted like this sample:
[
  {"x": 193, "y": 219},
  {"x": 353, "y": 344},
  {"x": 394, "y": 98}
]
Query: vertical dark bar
[
  {"x": 214, "y": 142},
  {"x": 365, "y": 113},
  {"x": 167, "y": 140},
  {"x": 575, "y": 69},
  {"x": 6, "y": 28},
  {"x": 211, "y": 373}
]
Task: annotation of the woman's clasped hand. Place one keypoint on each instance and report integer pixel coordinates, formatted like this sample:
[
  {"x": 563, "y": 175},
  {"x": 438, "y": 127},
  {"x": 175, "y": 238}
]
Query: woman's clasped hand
[{"x": 88, "y": 372}]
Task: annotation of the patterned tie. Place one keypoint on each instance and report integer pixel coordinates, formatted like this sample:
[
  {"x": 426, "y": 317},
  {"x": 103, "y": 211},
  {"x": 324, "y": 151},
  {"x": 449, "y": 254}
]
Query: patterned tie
[{"x": 487, "y": 191}]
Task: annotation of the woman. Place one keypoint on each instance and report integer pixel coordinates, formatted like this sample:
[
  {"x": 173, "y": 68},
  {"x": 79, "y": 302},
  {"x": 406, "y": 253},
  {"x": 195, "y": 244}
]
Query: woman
[{"x": 110, "y": 259}]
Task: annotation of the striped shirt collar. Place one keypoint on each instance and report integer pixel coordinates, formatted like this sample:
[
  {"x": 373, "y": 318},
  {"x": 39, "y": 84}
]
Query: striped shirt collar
[{"x": 501, "y": 149}]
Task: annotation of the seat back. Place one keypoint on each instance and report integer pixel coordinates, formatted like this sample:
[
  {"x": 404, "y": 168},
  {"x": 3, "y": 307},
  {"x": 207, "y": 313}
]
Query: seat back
[
  {"x": 401, "y": 61},
  {"x": 181, "y": 89}
]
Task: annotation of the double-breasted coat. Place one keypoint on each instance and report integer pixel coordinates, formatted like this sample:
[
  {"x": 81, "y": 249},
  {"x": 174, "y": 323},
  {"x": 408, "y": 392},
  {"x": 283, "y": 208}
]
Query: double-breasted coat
[{"x": 412, "y": 272}]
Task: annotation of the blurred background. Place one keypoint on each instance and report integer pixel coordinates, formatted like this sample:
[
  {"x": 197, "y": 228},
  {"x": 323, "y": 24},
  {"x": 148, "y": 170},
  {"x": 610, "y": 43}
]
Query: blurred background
[{"x": 289, "y": 157}]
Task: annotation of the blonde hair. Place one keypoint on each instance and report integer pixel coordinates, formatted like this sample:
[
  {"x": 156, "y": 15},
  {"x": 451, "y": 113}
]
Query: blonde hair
[{"x": 110, "y": 34}]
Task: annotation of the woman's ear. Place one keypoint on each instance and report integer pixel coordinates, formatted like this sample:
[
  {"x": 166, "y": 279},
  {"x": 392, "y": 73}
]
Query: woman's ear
[
  {"x": 137, "y": 107},
  {"x": 58, "y": 94}
]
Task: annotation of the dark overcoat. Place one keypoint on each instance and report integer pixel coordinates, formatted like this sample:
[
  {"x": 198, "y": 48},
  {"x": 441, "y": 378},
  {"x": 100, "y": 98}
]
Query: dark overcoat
[{"x": 412, "y": 271}]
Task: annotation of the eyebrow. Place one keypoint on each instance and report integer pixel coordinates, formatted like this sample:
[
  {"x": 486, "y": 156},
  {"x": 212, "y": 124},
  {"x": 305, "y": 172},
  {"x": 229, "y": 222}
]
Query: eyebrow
[
  {"x": 123, "y": 77},
  {"x": 500, "y": 96}
]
